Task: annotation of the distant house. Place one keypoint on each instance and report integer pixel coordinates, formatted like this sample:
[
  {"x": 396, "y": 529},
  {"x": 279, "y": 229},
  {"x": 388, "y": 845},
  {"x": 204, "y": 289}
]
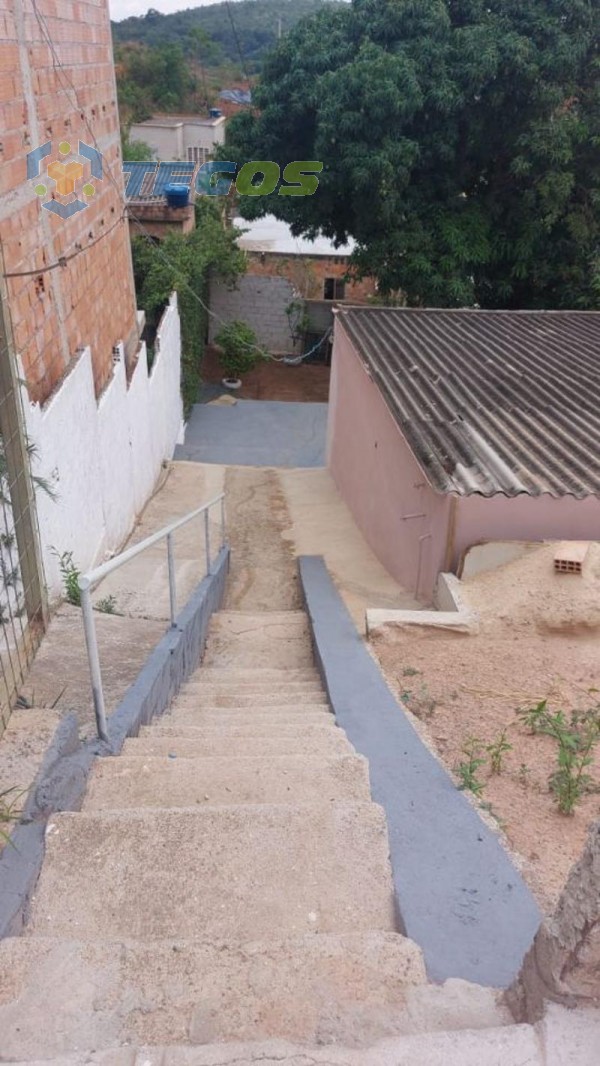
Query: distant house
[
  {"x": 283, "y": 272},
  {"x": 145, "y": 195},
  {"x": 450, "y": 428},
  {"x": 188, "y": 138}
]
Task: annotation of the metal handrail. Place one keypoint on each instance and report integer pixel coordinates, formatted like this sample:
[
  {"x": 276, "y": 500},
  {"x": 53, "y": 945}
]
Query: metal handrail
[{"x": 92, "y": 577}]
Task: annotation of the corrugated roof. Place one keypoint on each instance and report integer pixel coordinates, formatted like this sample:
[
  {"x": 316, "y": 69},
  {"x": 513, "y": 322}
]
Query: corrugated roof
[
  {"x": 149, "y": 185},
  {"x": 490, "y": 401}
]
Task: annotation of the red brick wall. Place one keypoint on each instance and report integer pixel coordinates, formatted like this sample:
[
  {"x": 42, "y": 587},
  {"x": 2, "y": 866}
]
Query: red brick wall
[
  {"x": 308, "y": 274},
  {"x": 68, "y": 94}
]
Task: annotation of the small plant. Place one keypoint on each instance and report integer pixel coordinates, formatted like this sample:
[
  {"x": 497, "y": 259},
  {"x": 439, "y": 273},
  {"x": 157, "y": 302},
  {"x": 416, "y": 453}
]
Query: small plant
[
  {"x": 497, "y": 750},
  {"x": 70, "y": 575},
  {"x": 9, "y": 811},
  {"x": 524, "y": 775},
  {"x": 421, "y": 702},
  {"x": 298, "y": 319},
  {"x": 410, "y": 671},
  {"x": 468, "y": 768},
  {"x": 489, "y": 809},
  {"x": 576, "y": 739},
  {"x": 107, "y": 605},
  {"x": 239, "y": 349}
]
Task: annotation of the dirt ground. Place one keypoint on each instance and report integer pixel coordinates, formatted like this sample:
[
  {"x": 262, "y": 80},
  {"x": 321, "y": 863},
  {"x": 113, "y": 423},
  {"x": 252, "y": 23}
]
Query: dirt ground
[
  {"x": 539, "y": 639},
  {"x": 307, "y": 383}
]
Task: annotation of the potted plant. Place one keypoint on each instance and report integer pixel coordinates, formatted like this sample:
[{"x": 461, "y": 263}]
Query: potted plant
[{"x": 239, "y": 352}]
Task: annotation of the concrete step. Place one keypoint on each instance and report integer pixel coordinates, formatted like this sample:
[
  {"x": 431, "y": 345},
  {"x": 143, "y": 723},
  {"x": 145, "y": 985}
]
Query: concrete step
[
  {"x": 243, "y": 725},
  {"x": 229, "y": 718},
  {"x": 243, "y": 872},
  {"x": 516, "y": 1045},
  {"x": 186, "y": 743},
  {"x": 199, "y": 686},
  {"x": 130, "y": 782},
  {"x": 272, "y": 639},
  {"x": 235, "y": 675},
  {"x": 203, "y": 698},
  {"x": 62, "y": 996}
]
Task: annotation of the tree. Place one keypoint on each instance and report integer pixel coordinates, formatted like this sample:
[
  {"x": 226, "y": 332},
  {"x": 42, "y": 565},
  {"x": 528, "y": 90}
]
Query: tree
[
  {"x": 185, "y": 264},
  {"x": 135, "y": 151},
  {"x": 460, "y": 142}
]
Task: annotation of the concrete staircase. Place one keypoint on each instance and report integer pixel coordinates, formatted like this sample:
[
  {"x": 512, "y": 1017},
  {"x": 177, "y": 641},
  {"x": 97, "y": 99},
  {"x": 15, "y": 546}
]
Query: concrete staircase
[{"x": 227, "y": 885}]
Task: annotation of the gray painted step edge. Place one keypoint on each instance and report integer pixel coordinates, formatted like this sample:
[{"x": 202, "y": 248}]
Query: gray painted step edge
[{"x": 459, "y": 894}]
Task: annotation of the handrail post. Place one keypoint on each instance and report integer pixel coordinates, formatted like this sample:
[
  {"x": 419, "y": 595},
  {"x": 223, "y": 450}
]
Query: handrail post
[
  {"x": 91, "y": 641},
  {"x": 223, "y": 530},
  {"x": 172, "y": 582},
  {"x": 207, "y": 541}
]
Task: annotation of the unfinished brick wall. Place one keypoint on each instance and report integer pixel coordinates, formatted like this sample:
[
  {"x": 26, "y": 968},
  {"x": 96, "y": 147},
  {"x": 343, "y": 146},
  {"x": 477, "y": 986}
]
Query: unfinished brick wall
[
  {"x": 62, "y": 93},
  {"x": 308, "y": 274},
  {"x": 563, "y": 964}
]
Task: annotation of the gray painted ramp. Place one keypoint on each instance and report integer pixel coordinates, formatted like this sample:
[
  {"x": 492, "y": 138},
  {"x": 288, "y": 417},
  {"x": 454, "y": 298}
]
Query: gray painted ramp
[
  {"x": 256, "y": 433},
  {"x": 459, "y": 895}
]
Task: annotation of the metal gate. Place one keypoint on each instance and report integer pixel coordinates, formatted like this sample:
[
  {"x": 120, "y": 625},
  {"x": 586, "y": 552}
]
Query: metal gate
[{"x": 23, "y": 604}]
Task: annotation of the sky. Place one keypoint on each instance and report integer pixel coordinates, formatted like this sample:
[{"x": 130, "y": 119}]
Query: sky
[{"x": 121, "y": 9}]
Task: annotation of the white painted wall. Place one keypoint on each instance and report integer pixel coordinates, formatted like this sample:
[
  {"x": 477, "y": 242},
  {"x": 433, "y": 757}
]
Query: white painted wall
[{"x": 103, "y": 458}]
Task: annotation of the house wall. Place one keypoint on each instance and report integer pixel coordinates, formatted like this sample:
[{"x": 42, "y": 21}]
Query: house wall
[
  {"x": 166, "y": 142},
  {"x": 261, "y": 302},
  {"x": 103, "y": 457},
  {"x": 307, "y": 274},
  {"x": 89, "y": 301},
  {"x": 380, "y": 479},
  {"x": 480, "y": 518}
]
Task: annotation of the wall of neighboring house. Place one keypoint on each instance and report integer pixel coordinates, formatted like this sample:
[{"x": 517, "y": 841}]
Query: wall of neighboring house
[
  {"x": 523, "y": 517},
  {"x": 166, "y": 142},
  {"x": 382, "y": 483},
  {"x": 71, "y": 321},
  {"x": 308, "y": 274},
  {"x": 90, "y": 300},
  {"x": 204, "y": 137},
  {"x": 379, "y": 478},
  {"x": 102, "y": 457},
  {"x": 262, "y": 303}
]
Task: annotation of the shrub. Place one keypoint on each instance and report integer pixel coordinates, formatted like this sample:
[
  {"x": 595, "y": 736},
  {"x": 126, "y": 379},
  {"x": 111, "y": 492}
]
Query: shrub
[{"x": 239, "y": 349}]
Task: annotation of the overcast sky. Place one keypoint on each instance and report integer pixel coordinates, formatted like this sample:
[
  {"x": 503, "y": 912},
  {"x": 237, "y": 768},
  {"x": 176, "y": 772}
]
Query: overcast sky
[{"x": 120, "y": 9}]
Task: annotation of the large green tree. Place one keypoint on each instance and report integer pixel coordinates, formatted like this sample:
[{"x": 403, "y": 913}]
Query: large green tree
[{"x": 460, "y": 142}]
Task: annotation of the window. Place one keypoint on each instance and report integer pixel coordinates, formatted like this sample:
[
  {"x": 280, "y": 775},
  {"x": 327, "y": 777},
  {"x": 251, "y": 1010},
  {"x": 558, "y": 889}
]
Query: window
[
  {"x": 334, "y": 289},
  {"x": 197, "y": 155}
]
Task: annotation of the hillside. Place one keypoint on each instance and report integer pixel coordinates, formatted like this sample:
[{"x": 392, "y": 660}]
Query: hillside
[{"x": 256, "y": 27}]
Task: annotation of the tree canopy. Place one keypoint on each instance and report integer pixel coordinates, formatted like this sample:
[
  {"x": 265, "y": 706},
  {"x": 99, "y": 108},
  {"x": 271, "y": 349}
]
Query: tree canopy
[{"x": 460, "y": 142}]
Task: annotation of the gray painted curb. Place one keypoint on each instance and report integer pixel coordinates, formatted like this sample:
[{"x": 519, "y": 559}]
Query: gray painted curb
[
  {"x": 62, "y": 779},
  {"x": 458, "y": 893}
]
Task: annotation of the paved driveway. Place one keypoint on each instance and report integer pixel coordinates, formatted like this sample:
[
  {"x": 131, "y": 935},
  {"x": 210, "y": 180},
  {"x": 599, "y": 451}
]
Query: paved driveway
[{"x": 256, "y": 433}]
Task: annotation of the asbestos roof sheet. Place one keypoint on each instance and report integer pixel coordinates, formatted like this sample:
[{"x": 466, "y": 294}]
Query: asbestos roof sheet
[
  {"x": 270, "y": 234},
  {"x": 141, "y": 183},
  {"x": 490, "y": 401}
]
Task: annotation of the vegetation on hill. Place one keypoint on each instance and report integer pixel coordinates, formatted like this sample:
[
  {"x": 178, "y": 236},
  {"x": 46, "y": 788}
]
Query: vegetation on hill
[
  {"x": 255, "y": 26},
  {"x": 460, "y": 142}
]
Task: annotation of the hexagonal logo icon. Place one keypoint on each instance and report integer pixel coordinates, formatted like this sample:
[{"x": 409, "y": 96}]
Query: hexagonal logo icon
[{"x": 60, "y": 178}]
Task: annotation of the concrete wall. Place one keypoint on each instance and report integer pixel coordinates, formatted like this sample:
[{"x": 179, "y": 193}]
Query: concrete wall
[
  {"x": 103, "y": 458},
  {"x": 380, "y": 479},
  {"x": 480, "y": 518},
  {"x": 166, "y": 142},
  {"x": 90, "y": 301},
  {"x": 261, "y": 302}
]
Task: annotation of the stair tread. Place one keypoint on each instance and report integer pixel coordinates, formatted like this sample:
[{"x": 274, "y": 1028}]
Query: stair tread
[
  {"x": 228, "y": 871},
  {"x": 169, "y": 991},
  {"x": 163, "y": 782},
  {"x": 187, "y": 743}
]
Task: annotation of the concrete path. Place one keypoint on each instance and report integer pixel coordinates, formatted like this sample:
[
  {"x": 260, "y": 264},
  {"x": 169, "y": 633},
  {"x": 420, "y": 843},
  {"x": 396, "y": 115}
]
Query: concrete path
[{"x": 256, "y": 433}]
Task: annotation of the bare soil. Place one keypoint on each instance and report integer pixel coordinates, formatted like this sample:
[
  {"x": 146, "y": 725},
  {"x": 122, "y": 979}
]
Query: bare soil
[
  {"x": 307, "y": 383},
  {"x": 539, "y": 639}
]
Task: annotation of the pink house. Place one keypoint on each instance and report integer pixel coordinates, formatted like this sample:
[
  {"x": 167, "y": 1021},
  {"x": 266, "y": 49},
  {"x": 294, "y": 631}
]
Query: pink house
[{"x": 449, "y": 428}]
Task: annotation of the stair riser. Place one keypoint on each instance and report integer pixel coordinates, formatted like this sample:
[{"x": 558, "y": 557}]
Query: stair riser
[
  {"x": 257, "y": 700},
  {"x": 189, "y": 744}
]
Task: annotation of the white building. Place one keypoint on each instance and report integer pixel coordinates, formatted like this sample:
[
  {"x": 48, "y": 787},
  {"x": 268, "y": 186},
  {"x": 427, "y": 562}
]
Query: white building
[{"x": 181, "y": 137}]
